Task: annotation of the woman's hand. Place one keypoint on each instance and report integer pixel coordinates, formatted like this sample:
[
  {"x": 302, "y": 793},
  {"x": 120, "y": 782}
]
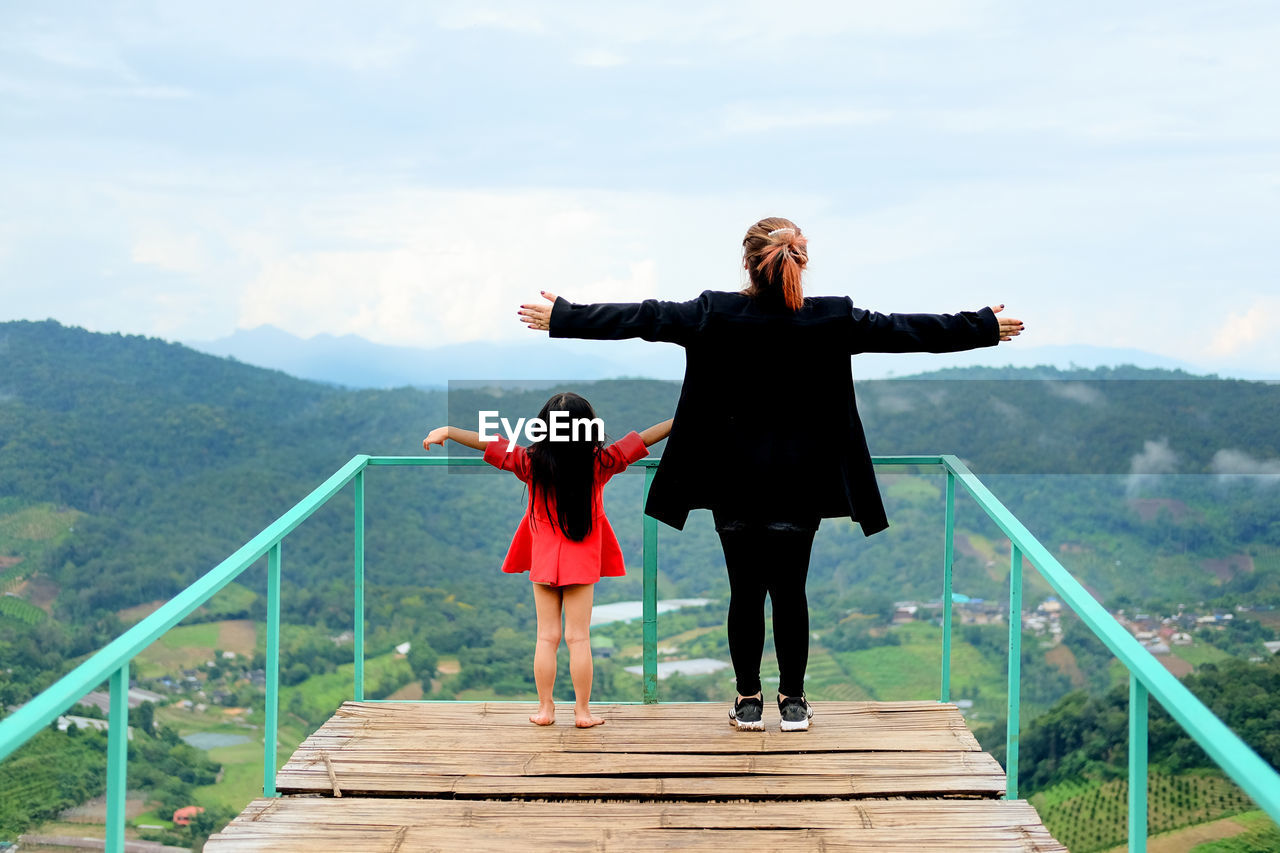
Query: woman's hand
[
  {"x": 436, "y": 436},
  {"x": 538, "y": 316},
  {"x": 1009, "y": 327}
]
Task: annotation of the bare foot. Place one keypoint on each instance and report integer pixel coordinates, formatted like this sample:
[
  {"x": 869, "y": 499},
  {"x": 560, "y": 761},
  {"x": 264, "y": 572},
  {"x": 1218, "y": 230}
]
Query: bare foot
[
  {"x": 586, "y": 719},
  {"x": 544, "y": 717}
]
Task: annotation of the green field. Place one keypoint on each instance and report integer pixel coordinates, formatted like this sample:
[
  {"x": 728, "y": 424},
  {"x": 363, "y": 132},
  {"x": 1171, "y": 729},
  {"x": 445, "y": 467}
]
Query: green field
[
  {"x": 913, "y": 670},
  {"x": 1200, "y": 653},
  {"x": 27, "y": 533},
  {"x": 179, "y": 648},
  {"x": 191, "y": 636},
  {"x": 12, "y": 607},
  {"x": 1093, "y": 816},
  {"x": 319, "y": 696},
  {"x": 1261, "y": 835},
  {"x": 33, "y": 529}
]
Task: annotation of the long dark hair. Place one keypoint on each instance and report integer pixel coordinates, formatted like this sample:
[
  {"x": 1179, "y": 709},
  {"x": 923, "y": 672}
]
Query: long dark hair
[{"x": 565, "y": 470}]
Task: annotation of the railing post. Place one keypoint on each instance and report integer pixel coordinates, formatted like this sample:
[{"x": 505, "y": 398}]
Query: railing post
[
  {"x": 357, "y": 631},
  {"x": 650, "y": 599},
  {"x": 947, "y": 559},
  {"x": 1015, "y": 671},
  {"x": 272, "y": 722},
  {"x": 117, "y": 757},
  {"x": 1137, "y": 765}
]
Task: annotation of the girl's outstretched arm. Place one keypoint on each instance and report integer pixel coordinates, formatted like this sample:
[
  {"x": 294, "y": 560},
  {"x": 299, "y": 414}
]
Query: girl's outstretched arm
[
  {"x": 470, "y": 438},
  {"x": 656, "y": 433}
]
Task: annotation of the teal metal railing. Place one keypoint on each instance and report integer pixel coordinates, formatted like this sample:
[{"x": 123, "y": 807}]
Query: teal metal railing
[{"x": 1147, "y": 677}]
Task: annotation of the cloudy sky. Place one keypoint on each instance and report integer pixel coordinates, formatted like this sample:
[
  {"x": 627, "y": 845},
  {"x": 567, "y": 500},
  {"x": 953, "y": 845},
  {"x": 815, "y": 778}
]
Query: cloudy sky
[{"x": 411, "y": 171}]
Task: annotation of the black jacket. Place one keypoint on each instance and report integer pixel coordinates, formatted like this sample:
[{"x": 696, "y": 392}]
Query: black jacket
[{"x": 766, "y": 427}]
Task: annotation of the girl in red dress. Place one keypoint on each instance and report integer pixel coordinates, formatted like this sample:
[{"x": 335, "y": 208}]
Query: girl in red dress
[{"x": 564, "y": 541}]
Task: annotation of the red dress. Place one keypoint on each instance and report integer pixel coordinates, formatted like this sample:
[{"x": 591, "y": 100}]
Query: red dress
[{"x": 539, "y": 547}]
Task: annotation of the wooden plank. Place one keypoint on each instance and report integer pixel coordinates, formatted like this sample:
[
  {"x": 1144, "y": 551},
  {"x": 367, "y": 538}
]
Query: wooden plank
[
  {"x": 805, "y": 775},
  {"x": 684, "y": 787},
  {"x": 871, "y": 813},
  {"x": 440, "y": 825},
  {"x": 480, "y": 777},
  {"x": 689, "y": 713},
  {"x": 358, "y": 759},
  {"x": 633, "y": 709},
  {"x": 703, "y": 728},
  {"x": 597, "y": 840},
  {"x": 634, "y": 742}
]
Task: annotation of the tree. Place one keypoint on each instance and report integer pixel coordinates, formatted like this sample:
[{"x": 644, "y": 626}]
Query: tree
[{"x": 422, "y": 660}]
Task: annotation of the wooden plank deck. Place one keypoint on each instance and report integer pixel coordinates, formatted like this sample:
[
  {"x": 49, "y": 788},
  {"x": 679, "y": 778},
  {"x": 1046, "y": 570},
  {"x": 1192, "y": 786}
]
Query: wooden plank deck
[{"x": 478, "y": 776}]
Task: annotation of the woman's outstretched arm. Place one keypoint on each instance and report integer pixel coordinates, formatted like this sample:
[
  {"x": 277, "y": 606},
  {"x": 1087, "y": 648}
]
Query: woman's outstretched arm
[
  {"x": 874, "y": 332},
  {"x": 656, "y": 433},
  {"x": 468, "y": 437},
  {"x": 652, "y": 319}
]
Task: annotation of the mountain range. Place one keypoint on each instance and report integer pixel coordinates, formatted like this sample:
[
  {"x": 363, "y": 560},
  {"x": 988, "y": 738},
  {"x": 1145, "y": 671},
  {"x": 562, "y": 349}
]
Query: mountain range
[{"x": 357, "y": 362}]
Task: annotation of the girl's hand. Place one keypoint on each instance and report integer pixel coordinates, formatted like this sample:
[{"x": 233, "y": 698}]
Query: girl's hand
[
  {"x": 436, "y": 436},
  {"x": 1009, "y": 327},
  {"x": 537, "y": 316}
]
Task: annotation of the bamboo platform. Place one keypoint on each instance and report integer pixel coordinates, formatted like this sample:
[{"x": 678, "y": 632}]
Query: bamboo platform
[{"x": 868, "y": 776}]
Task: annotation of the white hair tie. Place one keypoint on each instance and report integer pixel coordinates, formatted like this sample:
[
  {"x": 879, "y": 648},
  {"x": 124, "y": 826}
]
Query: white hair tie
[{"x": 780, "y": 230}]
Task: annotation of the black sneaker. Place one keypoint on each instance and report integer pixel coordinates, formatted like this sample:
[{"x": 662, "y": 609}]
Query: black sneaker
[
  {"x": 747, "y": 714},
  {"x": 795, "y": 712}
]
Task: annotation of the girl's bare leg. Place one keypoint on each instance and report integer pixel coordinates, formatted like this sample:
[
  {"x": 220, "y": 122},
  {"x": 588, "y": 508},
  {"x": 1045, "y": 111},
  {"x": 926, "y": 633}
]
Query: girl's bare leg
[
  {"x": 577, "y": 636},
  {"x": 546, "y": 601}
]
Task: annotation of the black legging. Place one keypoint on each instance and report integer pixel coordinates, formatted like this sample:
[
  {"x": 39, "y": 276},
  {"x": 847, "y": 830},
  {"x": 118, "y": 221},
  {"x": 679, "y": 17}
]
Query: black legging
[{"x": 769, "y": 560}]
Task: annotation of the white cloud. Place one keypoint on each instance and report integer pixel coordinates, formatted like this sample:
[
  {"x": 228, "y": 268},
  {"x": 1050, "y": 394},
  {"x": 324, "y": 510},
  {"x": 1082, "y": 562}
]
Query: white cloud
[
  {"x": 1156, "y": 458},
  {"x": 1079, "y": 392},
  {"x": 1260, "y": 321},
  {"x": 1234, "y": 464},
  {"x": 1110, "y": 175},
  {"x": 425, "y": 267}
]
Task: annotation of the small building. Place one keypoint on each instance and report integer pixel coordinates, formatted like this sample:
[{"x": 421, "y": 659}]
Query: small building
[
  {"x": 101, "y": 700},
  {"x": 66, "y": 721},
  {"x": 137, "y": 696},
  {"x": 183, "y": 816}
]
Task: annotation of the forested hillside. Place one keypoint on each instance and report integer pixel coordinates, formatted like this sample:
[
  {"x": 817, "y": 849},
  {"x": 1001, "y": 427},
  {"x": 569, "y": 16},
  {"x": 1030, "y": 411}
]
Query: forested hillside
[
  {"x": 129, "y": 466},
  {"x": 168, "y": 459}
]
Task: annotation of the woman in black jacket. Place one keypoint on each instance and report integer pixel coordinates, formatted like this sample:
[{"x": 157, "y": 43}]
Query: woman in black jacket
[{"x": 750, "y": 358}]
